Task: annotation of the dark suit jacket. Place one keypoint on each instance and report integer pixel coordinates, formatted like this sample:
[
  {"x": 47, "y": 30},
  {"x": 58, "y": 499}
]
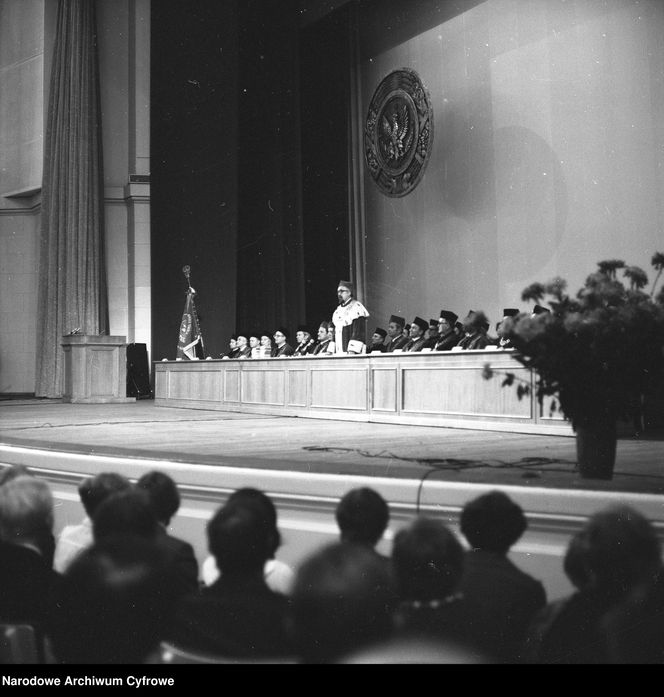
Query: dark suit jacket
[
  {"x": 415, "y": 344},
  {"x": 475, "y": 341},
  {"x": 285, "y": 350},
  {"x": 377, "y": 348},
  {"x": 234, "y": 618},
  {"x": 398, "y": 343},
  {"x": 28, "y": 585},
  {"x": 447, "y": 341},
  {"x": 501, "y": 601},
  {"x": 181, "y": 562}
]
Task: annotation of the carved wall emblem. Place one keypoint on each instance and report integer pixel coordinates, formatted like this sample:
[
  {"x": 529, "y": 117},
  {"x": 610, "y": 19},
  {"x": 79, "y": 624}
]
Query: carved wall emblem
[{"x": 398, "y": 133}]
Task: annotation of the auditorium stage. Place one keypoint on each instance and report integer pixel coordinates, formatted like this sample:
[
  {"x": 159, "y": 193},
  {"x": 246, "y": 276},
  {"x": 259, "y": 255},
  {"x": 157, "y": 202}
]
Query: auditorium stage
[
  {"x": 307, "y": 464},
  {"x": 200, "y": 437}
]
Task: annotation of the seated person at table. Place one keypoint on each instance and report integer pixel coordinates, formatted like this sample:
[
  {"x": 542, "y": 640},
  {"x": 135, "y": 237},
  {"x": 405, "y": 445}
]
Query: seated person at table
[
  {"x": 474, "y": 326},
  {"x": 266, "y": 345},
  {"x": 447, "y": 334},
  {"x": 232, "y": 348},
  {"x": 378, "y": 341},
  {"x": 431, "y": 335},
  {"x": 325, "y": 345},
  {"x": 282, "y": 348},
  {"x": 505, "y": 324},
  {"x": 397, "y": 339},
  {"x": 243, "y": 349},
  {"x": 255, "y": 345},
  {"x": 305, "y": 342},
  {"x": 417, "y": 329}
]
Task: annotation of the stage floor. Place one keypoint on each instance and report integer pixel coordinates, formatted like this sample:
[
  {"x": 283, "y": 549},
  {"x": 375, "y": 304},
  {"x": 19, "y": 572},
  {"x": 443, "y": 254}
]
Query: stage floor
[{"x": 140, "y": 429}]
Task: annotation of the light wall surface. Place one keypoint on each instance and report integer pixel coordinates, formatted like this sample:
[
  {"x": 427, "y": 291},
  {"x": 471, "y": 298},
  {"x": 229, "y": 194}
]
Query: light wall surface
[
  {"x": 548, "y": 155},
  {"x": 21, "y": 131}
]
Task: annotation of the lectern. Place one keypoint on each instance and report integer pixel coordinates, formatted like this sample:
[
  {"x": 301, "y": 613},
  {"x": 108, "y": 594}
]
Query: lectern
[{"x": 95, "y": 369}]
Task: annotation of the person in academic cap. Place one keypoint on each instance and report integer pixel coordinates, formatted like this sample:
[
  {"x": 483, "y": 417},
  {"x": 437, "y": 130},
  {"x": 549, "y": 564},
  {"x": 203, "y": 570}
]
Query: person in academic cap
[
  {"x": 378, "y": 341},
  {"x": 503, "y": 327},
  {"x": 538, "y": 310},
  {"x": 350, "y": 321},
  {"x": 431, "y": 335},
  {"x": 266, "y": 345},
  {"x": 325, "y": 345},
  {"x": 397, "y": 340},
  {"x": 417, "y": 338},
  {"x": 232, "y": 348},
  {"x": 447, "y": 334},
  {"x": 305, "y": 342},
  {"x": 243, "y": 348},
  {"x": 255, "y": 344},
  {"x": 475, "y": 326},
  {"x": 282, "y": 349}
]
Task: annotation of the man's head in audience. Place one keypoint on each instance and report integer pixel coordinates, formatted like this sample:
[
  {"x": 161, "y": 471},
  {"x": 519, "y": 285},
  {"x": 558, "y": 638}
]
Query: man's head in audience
[
  {"x": 265, "y": 509},
  {"x": 362, "y": 516},
  {"x": 125, "y": 513},
  {"x": 114, "y": 603},
  {"x": 93, "y": 490},
  {"x": 13, "y": 471},
  {"x": 622, "y": 550},
  {"x": 492, "y": 522},
  {"x": 343, "y": 599},
  {"x": 163, "y": 494},
  {"x": 427, "y": 559},
  {"x": 26, "y": 511},
  {"x": 241, "y": 539}
]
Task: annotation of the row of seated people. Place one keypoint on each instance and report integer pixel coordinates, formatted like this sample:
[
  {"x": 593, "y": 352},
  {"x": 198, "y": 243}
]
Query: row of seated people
[
  {"x": 443, "y": 334},
  {"x": 125, "y": 591}
]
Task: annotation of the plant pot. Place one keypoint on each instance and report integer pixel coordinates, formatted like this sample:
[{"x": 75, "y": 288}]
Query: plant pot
[{"x": 596, "y": 450}]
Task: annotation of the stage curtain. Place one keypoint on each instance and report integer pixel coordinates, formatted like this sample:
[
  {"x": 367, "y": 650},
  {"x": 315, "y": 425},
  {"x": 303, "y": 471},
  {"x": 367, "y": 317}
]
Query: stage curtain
[{"x": 72, "y": 276}]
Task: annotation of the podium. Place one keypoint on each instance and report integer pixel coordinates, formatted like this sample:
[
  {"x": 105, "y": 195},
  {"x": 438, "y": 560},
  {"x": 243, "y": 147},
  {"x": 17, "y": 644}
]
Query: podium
[{"x": 95, "y": 369}]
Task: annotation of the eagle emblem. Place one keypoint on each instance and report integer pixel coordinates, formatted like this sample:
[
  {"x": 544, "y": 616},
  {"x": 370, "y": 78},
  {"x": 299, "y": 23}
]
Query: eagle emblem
[{"x": 398, "y": 133}]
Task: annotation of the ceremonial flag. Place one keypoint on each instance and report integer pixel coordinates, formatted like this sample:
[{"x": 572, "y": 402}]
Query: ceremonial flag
[{"x": 190, "y": 335}]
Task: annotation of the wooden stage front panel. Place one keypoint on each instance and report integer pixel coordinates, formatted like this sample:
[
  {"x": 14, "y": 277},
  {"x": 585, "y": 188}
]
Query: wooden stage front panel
[{"x": 432, "y": 389}]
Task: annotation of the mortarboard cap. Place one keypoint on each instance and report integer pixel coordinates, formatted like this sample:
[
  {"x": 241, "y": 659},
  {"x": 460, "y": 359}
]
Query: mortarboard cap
[
  {"x": 421, "y": 323},
  {"x": 345, "y": 284},
  {"x": 380, "y": 331},
  {"x": 538, "y": 310},
  {"x": 398, "y": 320},
  {"x": 510, "y": 312},
  {"x": 451, "y": 317}
]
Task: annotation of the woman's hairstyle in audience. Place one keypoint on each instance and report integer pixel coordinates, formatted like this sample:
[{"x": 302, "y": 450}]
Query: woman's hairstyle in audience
[
  {"x": 127, "y": 512},
  {"x": 114, "y": 603},
  {"x": 343, "y": 599},
  {"x": 622, "y": 550},
  {"x": 26, "y": 509},
  {"x": 13, "y": 471},
  {"x": 362, "y": 516},
  {"x": 492, "y": 522},
  {"x": 241, "y": 537},
  {"x": 427, "y": 560},
  {"x": 93, "y": 490},
  {"x": 163, "y": 494}
]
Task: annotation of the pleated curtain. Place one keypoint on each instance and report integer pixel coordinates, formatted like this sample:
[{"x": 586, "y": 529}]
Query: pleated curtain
[{"x": 72, "y": 274}]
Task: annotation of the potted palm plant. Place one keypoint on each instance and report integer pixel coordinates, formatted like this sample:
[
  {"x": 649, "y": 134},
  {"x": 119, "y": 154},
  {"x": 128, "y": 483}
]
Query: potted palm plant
[{"x": 598, "y": 353}]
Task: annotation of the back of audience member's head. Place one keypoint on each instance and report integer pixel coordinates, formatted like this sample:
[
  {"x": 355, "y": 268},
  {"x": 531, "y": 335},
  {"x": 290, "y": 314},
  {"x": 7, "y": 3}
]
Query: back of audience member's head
[
  {"x": 343, "y": 599},
  {"x": 362, "y": 516},
  {"x": 427, "y": 559},
  {"x": 13, "y": 471},
  {"x": 492, "y": 522},
  {"x": 26, "y": 510},
  {"x": 622, "y": 550},
  {"x": 264, "y": 506},
  {"x": 93, "y": 490},
  {"x": 114, "y": 603},
  {"x": 163, "y": 493},
  {"x": 240, "y": 538},
  {"x": 125, "y": 513}
]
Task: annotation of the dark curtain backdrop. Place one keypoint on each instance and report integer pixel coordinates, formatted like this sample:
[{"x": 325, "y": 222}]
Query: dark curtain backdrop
[
  {"x": 270, "y": 279},
  {"x": 72, "y": 276}
]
